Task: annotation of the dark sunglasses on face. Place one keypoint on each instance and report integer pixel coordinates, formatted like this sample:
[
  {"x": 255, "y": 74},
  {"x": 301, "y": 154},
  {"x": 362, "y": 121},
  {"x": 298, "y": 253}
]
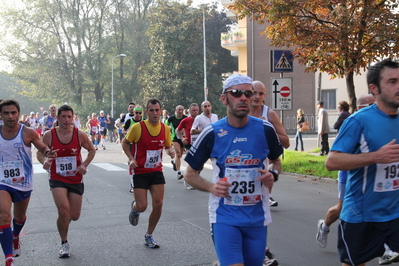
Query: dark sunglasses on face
[
  {"x": 139, "y": 113},
  {"x": 238, "y": 93}
]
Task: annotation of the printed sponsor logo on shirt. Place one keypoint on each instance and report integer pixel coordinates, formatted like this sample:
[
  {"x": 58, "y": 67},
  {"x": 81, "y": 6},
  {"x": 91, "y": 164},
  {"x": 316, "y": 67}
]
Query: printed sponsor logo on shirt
[
  {"x": 18, "y": 145},
  {"x": 74, "y": 151},
  {"x": 236, "y": 158},
  {"x": 237, "y": 139},
  {"x": 222, "y": 133},
  {"x": 380, "y": 185}
]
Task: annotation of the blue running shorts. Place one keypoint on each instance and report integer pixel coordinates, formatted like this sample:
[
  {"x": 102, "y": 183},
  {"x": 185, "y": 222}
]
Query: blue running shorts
[{"x": 237, "y": 244}]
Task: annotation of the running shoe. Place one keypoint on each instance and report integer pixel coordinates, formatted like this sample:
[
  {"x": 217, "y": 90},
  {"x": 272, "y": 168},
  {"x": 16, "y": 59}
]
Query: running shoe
[
  {"x": 388, "y": 258},
  {"x": 134, "y": 216},
  {"x": 150, "y": 242},
  {"x": 188, "y": 186},
  {"x": 174, "y": 165},
  {"x": 179, "y": 175},
  {"x": 64, "y": 251},
  {"x": 16, "y": 247},
  {"x": 104, "y": 148},
  {"x": 10, "y": 262},
  {"x": 272, "y": 202},
  {"x": 269, "y": 259},
  {"x": 321, "y": 236}
]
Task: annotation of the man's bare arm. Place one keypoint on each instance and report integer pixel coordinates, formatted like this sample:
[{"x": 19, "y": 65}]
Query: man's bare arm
[
  {"x": 389, "y": 153},
  {"x": 282, "y": 135}
]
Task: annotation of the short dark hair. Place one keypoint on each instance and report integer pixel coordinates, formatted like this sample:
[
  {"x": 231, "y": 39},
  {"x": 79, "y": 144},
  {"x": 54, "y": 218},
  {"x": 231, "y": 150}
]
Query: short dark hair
[
  {"x": 374, "y": 71},
  {"x": 10, "y": 102},
  {"x": 153, "y": 101},
  {"x": 131, "y": 103},
  {"x": 192, "y": 105},
  {"x": 344, "y": 105},
  {"x": 64, "y": 108}
]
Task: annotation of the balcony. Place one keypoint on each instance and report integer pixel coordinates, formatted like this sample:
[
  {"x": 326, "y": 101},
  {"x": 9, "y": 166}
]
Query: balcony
[
  {"x": 235, "y": 39},
  {"x": 226, "y": 3}
]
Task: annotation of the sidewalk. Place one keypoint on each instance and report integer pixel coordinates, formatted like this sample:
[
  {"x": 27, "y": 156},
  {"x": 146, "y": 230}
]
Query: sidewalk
[{"x": 310, "y": 141}]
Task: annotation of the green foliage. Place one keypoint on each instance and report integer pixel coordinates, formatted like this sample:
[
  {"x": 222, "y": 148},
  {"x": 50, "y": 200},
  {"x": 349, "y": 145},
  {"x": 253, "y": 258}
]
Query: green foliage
[
  {"x": 65, "y": 51},
  {"x": 338, "y": 37},
  {"x": 306, "y": 164},
  {"x": 175, "y": 72},
  {"x": 11, "y": 89}
]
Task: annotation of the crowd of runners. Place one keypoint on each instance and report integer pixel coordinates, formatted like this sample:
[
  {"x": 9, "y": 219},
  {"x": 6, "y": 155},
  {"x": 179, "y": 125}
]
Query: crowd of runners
[{"x": 244, "y": 148}]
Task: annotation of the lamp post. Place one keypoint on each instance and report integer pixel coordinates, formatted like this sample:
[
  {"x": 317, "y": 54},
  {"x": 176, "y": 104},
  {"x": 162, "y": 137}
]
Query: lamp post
[
  {"x": 112, "y": 83},
  {"x": 203, "y": 5}
]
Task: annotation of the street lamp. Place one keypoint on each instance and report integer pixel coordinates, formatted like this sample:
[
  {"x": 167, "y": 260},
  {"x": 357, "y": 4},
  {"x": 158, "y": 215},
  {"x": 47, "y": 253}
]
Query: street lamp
[
  {"x": 112, "y": 83},
  {"x": 203, "y": 5}
]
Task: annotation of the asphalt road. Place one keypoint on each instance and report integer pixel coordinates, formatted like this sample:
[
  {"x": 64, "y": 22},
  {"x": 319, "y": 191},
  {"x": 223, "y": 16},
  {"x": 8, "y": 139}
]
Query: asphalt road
[{"x": 104, "y": 236}]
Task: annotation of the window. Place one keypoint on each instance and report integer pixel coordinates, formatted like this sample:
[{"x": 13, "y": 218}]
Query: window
[{"x": 329, "y": 99}]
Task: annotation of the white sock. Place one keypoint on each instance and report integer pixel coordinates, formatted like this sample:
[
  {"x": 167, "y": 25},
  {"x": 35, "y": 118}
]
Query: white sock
[{"x": 325, "y": 227}]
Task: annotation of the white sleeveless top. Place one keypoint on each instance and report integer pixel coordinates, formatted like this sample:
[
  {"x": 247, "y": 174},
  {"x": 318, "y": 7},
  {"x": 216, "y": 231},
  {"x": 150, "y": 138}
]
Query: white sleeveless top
[
  {"x": 265, "y": 112},
  {"x": 16, "y": 168}
]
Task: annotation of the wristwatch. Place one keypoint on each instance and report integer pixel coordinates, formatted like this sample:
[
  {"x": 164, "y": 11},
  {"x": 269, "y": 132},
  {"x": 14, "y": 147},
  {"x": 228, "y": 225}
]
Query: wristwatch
[{"x": 274, "y": 173}]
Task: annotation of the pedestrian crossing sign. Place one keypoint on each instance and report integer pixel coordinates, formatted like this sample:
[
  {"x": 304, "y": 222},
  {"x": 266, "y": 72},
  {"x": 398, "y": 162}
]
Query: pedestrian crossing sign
[{"x": 281, "y": 61}]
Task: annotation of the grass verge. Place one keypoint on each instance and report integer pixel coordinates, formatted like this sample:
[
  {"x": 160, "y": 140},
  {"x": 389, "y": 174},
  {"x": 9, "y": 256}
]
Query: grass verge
[{"x": 306, "y": 164}]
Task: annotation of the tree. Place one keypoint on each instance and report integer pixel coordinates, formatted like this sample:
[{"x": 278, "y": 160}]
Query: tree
[
  {"x": 63, "y": 49},
  {"x": 338, "y": 37},
  {"x": 175, "y": 73}
]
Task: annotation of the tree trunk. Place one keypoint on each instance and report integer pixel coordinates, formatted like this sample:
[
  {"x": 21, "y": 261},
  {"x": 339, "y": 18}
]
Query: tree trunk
[
  {"x": 350, "y": 87},
  {"x": 97, "y": 92}
]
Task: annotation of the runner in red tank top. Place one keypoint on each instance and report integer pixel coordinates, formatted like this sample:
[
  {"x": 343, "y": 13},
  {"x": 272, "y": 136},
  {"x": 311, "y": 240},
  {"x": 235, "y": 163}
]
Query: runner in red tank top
[
  {"x": 149, "y": 138},
  {"x": 66, "y": 171}
]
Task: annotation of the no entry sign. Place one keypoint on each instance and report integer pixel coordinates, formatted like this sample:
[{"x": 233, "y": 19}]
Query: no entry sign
[{"x": 281, "y": 93}]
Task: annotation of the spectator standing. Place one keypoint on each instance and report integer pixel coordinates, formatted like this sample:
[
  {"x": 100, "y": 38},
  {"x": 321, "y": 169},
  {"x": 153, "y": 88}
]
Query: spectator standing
[
  {"x": 111, "y": 128},
  {"x": 300, "y": 117},
  {"x": 343, "y": 108},
  {"x": 323, "y": 128}
]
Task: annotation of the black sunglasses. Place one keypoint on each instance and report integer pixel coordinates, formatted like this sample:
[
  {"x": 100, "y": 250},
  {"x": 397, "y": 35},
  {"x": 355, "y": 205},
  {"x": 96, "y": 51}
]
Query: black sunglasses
[
  {"x": 138, "y": 113},
  {"x": 238, "y": 93}
]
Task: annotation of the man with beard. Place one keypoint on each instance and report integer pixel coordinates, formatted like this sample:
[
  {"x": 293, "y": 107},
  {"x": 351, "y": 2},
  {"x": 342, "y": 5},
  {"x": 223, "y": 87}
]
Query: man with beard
[{"x": 204, "y": 119}]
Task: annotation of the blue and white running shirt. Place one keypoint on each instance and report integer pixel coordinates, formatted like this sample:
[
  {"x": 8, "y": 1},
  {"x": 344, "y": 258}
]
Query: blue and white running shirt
[
  {"x": 238, "y": 154},
  {"x": 372, "y": 192}
]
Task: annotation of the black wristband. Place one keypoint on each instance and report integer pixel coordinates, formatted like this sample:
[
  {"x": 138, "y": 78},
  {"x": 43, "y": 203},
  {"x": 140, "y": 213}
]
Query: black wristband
[
  {"x": 45, "y": 153},
  {"x": 275, "y": 174}
]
